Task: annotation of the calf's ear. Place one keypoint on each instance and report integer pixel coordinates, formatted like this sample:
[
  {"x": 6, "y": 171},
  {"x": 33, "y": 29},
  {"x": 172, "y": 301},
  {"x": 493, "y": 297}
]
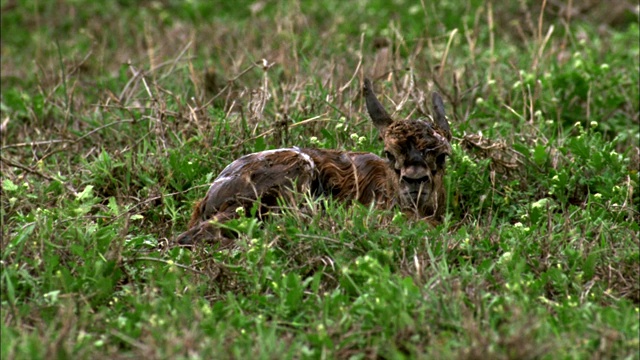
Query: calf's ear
[
  {"x": 379, "y": 115},
  {"x": 439, "y": 116}
]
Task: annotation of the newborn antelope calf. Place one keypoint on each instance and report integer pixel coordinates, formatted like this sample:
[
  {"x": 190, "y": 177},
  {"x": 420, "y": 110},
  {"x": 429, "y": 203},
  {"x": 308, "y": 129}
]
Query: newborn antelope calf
[{"x": 411, "y": 177}]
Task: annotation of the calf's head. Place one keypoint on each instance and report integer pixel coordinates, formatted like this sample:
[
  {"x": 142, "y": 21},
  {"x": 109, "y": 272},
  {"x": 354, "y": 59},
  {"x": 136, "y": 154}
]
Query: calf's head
[{"x": 416, "y": 151}]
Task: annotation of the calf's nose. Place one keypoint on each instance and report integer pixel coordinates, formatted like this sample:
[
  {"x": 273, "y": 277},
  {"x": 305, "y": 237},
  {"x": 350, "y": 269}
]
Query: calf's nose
[{"x": 414, "y": 173}]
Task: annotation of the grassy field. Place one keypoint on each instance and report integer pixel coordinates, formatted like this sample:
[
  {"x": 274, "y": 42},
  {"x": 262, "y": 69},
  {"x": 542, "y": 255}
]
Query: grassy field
[{"x": 115, "y": 116}]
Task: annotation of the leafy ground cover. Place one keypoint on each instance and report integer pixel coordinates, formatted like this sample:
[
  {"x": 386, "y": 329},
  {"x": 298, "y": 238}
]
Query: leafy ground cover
[{"x": 115, "y": 116}]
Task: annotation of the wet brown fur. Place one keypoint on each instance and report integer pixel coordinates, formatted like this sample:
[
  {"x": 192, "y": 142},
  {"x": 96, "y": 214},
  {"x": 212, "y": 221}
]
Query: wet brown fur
[
  {"x": 347, "y": 176},
  {"x": 268, "y": 178}
]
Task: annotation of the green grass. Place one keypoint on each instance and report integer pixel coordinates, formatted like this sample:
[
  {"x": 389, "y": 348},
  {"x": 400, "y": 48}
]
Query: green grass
[{"x": 115, "y": 120}]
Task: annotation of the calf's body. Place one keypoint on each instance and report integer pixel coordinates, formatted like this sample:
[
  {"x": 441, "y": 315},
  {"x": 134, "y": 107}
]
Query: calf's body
[{"x": 274, "y": 175}]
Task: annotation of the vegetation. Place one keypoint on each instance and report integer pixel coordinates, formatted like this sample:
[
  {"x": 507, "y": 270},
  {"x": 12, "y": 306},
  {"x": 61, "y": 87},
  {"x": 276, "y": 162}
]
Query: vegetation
[{"x": 115, "y": 117}]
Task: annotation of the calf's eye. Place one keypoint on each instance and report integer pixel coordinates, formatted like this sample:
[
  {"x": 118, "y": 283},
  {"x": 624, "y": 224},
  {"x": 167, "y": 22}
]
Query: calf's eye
[{"x": 389, "y": 156}]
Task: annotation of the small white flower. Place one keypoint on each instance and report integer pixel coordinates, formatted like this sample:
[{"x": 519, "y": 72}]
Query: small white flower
[
  {"x": 505, "y": 257},
  {"x": 578, "y": 63}
]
